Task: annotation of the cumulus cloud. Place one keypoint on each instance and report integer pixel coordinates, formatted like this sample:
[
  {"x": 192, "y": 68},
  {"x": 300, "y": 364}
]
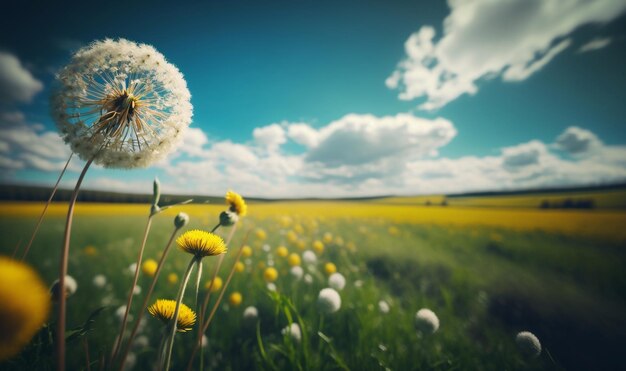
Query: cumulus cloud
[
  {"x": 17, "y": 84},
  {"x": 595, "y": 44},
  {"x": 270, "y": 137},
  {"x": 484, "y": 39},
  {"x": 303, "y": 134},
  {"x": 575, "y": 141}
]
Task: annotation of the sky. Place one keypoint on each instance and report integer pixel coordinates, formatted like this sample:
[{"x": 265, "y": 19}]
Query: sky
[{"x": 342, "y": 98}]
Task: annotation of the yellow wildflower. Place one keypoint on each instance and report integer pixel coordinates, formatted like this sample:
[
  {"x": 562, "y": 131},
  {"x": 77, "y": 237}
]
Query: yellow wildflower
[
  {"x": 164, "y": 310},
  {"x": 237, "y": 203},
  {"x": 201, "y": 243}
]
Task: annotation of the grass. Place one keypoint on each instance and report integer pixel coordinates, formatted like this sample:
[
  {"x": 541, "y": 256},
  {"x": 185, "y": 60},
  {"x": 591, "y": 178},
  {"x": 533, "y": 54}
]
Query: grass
[{"x": 487, "y": 273}]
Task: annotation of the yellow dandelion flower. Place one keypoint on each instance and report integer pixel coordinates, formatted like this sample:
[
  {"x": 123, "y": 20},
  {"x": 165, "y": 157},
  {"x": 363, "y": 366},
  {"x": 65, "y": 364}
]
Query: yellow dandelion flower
[
  {"x": 330, "y": 268},
  {"x": 318, "y": 246},
  {"x": 293, "y": 260},
  {"x": 260, "y": 234},
  {"x": 282, "y": 251},
  {"x": 164, "y": 310},
  {"x": 270, "y": 274},
  {"x": 149, "y": 267},
  {"x": 235, "y": 299},
  {"x": 246, "y": 251},
  {"x": 285, "y": 221},
  {"x": 328, "y": 238},
  {"x": 172, "y": 278},
  {"x": 237, "y": 203},
  {"x": 239, "y": 267},
  {"x": 90, "y": 250},
  {"x": 25, "y": 306},
  {"x": 292, "y": 237},
  {"x": 301, "y": 245},
  {"x": 201, "y": 243},
  {"x": 217, "y": 284},
  {"x": 298, "y": 228}
]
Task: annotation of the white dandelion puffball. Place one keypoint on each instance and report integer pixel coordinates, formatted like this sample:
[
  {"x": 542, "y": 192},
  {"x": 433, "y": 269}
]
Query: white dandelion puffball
[
  {"x": 309, "y": 257},
  {"x": 383, "y": 307},
  {"x": 119, "y": 313},
  {"x": 132, "y": 268},
  {"x": 426, "y": 321},
  {"x": 250, "y": 313},
  {"x": 70, "y": 287},
  {"x": 271, "y": 286},
  {"x": 296, "y": 272},
  {"x": 100, "y": 281},
  {"x": 528, "y": 344},
  {"x": 358, "y": 284},
  {"x": 337, "y": 281},
  {"x": 308, "y": 279},
  {"x": 205, "y": 341},
  {"x": 121, "y": 103},
  {"x": 293, "y": 331},
  {"x": 137, "y": 290},
  {"x": 329, "y": 301}
]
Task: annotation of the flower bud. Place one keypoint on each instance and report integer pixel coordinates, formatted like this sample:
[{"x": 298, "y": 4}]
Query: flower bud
[
  {"x": 228, "y": 218},
  {"x": 181, "y": 220},
  {"x": 156, "y": 191}
]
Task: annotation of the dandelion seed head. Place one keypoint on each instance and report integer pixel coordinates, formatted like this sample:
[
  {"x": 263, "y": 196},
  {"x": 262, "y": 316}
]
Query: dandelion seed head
[
  {"x": 309, "y": 257},
  {"x": 100, "y": 281},
  {"x": 328, "y": 300},
  {"x": 297, "y": 272},
  {"x": 121, "y": 102},
  {"x": 163, "y": 309},
  {"x": 528, "y": 344},
  {"x": 383, "y": 307},
  {"x": 70, "y": 287},
  {"x": 337, "y": 281},
  {"x": 293, "y": 331},
  {"x": 308, "y": 279},
  {"x": 426, "y": 321},
  {"x": 271, "y": 287},
  {"x": 250, "y": 313}
]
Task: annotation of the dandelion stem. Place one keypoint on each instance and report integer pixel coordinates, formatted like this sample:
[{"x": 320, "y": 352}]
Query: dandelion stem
[
  {"x": 45, "y": 209},
  {"x": 86, "y": 346},
  {"x": 198, "y": 282},
  {"x": 204, "y": 326},
  {"x": 132, "y": 289},
  {"x": 174, "y": 322},
  {"x": 146, "y": 300},
  {"x": 65, "y": 252}
]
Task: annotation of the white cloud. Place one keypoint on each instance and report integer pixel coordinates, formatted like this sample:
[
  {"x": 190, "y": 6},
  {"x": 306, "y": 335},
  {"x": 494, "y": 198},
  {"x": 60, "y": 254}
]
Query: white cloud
[
  {"x": 485, "y": 39},
  {"x": 17, "y": 84},
  {"x": 270, "y": 137},
  {"x": 575, "y": 141},
  {"x": 303, "y": 134},
  {"x": 595, "y": 44}
]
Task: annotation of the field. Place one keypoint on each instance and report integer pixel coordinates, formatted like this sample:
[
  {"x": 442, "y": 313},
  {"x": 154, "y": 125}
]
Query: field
[{"x": 487, "y": 272}]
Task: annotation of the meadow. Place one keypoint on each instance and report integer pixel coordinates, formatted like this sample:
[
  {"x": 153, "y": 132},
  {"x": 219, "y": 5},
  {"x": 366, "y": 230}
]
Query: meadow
[{"x": 487, "y": 272}]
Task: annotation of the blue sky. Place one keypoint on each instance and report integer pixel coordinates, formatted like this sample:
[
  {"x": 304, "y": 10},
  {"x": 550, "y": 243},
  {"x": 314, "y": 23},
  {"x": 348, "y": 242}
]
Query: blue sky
[{"x": 315, "y": 98}]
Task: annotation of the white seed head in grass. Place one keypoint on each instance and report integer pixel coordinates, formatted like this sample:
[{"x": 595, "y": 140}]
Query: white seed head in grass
[
  {"x": 383, "y": 307},
  {"x": 70, "y": 288},
  {"x": 293, "y": 332},
  {"x": 250, "y": 314},
  {"x": 337, "y": 281},
  {"x": 296, "y": 272},
  {"x": 100, "y": 281},
  {"x": 528, "y": 344},
  {"x": 426, "y": 321},
  {"x": 308, "y": 279},
  {"x": 121, "y": 102},
  {"x": 309, "y": 257},
  {"x": 328, "y": 301}
]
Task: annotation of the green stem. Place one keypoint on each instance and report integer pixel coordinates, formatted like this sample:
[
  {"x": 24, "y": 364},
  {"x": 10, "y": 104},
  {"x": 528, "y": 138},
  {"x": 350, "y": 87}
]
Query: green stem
[{"x": 179, "y": 299}]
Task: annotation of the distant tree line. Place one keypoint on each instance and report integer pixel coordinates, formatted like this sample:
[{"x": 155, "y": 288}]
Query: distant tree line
[{"x": 568, "y": 203}]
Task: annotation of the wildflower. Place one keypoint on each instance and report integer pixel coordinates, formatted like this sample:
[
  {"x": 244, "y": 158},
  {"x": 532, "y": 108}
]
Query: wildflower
[
  {"x": 426, "y": 321},
  {"x": 328, "y": 238},
  {"x": 337, "y": 281},
  {"x": 228, "y": 218},
  {"x": 201, "y": 243},
  {"x": 301, "y": 245},
  {"x": 308, "y": 279},
  {"x": 70, "y": 287},
  {"x": 239, "y": 267},
  {"x": 121, "y": 102},
  {"x": 270, "y": 274},
  {"x": 235, "y": 299},
  {"x": 291, "y": 237},
  {"x": 217, "y": 284},
  {"x": 172, "y": 278},
  {"x": 318, "y": 246},
  {"x": 528, "y": 344},
  {"x": 149, "y": 267},
  {"x": 296, "y": 271},
  {"x": 271, "y": 286},
  {"x": 285, "y": 221},
  {"x": 246, "y": 251},
  {"x": 293, "y": 260},
  {"x": 90, "y": 250},
  {"x": 309, "y": 257},
  {"x": 164, "y": 310},
  {"x": 237, "y": 203},
  {"x": 266, "y": 247},
  {"x": 260, "y": 234},
  {"x": 132, "y": 268},
  {"x": 293, "y": 331},
  {"x": 328, "y": 301},
  {"x": 330, "y": 268},
  {"x": 282, "y": 251},
  {"x": 99, "y": 281},
  {"x": 383, "y": 307},
  {"x": 136, "y": 290},
  {"x": 25, "y": 306},
  {"x": 298, "y": 228},
  {"x": 181, "y": 220},
  {"x": 250, "y": 313}
]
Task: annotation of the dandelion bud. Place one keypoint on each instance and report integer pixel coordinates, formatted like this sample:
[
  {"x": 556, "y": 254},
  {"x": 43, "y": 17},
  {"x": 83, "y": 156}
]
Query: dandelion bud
[
  {"x": 328, "y": 301},
  {"x": 528, "y": 344},
  {"x": 228, "y": 218},
  {"x": 181, "y": 220},
  {"x": 156, "y": 191},
  {"x": 70, "y": 288},
  {"x": 426, "y": 321}
]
